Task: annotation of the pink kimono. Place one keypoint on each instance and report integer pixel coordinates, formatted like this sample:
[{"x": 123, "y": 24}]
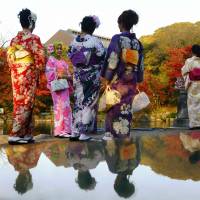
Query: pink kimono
[{"x": 61, "y": 100}]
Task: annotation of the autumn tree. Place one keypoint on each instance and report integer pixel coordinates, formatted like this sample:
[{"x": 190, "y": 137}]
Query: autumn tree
[
  {"x": 173, "y": 65},
  {"x": 165, "y": 53},
  {"x": 5, "y": 85}
]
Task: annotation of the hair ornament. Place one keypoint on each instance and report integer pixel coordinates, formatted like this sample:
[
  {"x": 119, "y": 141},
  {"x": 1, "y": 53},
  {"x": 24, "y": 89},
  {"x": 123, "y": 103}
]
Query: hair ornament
[{"x": 96, "y": 20}]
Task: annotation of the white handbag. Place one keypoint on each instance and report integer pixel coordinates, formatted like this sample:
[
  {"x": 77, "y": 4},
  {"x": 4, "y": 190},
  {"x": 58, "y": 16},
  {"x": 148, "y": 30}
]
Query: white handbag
[
  {"x": 140, "y": 101},
  {"x": 59, "y": 84}
]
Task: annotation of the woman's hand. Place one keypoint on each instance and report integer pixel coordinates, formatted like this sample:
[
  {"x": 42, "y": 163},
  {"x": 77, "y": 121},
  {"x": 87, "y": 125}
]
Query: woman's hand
[
  {"x": 104, "y": 84},
  {"x": 62, "y": 76}
]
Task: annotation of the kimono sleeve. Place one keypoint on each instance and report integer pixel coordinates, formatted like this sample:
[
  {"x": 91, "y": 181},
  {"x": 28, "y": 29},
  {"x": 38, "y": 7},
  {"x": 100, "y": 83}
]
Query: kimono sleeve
[
  {"x": 66, "y": 65},
  {"x": 11, "y": 53},
  {"x": 100, "y": 50},
  {"x": 38, "y": 53},
  {"x": 186, "y": 68},
  {"x": 112, "y": 59},
  {"x": 50, "y": 71},
  {"x": 140, "y": 71}
]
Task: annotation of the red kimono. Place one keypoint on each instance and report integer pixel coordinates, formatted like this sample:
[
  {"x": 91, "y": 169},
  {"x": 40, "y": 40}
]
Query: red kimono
[{"x": 25, "y": 58}]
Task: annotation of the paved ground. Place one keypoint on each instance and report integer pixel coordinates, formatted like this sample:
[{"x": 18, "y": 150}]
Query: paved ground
[{"x": 98, "y": 136}]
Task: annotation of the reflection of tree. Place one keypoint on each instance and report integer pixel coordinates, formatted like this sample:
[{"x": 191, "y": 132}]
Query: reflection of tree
[
  {"x": 23, "y": 158},
  {"x": 122, "y": 157},
  {"x": 167, "y": 156},
  {"x": 83, "y": 157}
]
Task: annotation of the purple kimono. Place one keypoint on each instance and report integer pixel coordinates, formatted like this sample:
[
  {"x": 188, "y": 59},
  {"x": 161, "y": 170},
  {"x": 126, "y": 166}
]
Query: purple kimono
[
  {"x": 86, "y": 53},
  {"x": 124, "y": 68}
]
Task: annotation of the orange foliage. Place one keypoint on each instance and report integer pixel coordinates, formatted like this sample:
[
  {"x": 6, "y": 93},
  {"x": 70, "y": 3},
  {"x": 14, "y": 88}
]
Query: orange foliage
[
  {"x": 175, "y": 62},
  {"x": 159, "y": 83},
  {"x": 6, "y": 86},
  {"x": 175, "y": 146},
  {"x": 153, "y": 87},
  {"x": 5, "y": 83}
]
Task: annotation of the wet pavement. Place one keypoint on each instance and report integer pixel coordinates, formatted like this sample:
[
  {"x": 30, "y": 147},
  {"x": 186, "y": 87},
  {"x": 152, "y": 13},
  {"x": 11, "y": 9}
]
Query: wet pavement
[{"x": 161, "y": 164}]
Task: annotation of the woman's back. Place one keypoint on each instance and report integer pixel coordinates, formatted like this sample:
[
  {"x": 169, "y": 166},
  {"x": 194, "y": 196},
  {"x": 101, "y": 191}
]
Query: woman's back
[{"x": 127, "y": 50}]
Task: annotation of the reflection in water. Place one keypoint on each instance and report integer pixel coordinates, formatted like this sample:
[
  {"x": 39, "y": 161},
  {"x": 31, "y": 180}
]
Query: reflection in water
[
  {"x": 191, "y": 143},
  {"x": 83, "y": 157},
  {"x": 23, "y": 182},
  {"x": 55, "y": 151},
  {"x": 169, "y": 155},
  {"x": 171, "y": 159},
  {"x": 23, "y": 158},
  {"x": 122, "y": 157}
]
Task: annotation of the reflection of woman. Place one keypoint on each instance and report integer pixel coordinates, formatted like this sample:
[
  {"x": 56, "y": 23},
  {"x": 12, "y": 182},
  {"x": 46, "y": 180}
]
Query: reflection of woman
[
  {"x": 84, "y": 157},
  {"x": 55, "y": 151},
  {"x": 23, "y": 182},
  {"x": 86, "y": 55},
  {"x": 25, "y": 59},
  {"x": 123, "y": 69},
  {"x": 191, "y": 143},
  {"x": 195, "y": 157},
  {"x": 122, "y": 158},
  {"x": 85, "y": 180},
  {"x": 192, "y": 66},
  {"x": 23, "y": 159},
  {"x": 123, "y": 187},
  {"x": 57, "y": 68}
]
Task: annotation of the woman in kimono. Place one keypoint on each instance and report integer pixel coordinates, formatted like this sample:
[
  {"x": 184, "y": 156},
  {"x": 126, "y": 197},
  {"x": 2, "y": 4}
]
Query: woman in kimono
[
  {"x": 191, "y": 143},
  {"x": 122, "y": 70},
  {"x": 25, "y": 58},
  {"x": 58, "y": 68},
  {"x": 122, "y": 157},
  {"x": 23, "y": 159},
  {"x": 84, "y": 157},
  {"x": 191, "y": 69},
  {"x": 86, "y": 53}
]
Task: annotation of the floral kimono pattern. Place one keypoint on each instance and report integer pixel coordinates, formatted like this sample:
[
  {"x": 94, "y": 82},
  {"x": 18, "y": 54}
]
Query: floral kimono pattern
[
  {"x": 25, "y": 58},
  {"x": 193, "y": 101},
  {"x": 61, "y": 100},
  {"x": 86, "y": 54},
  {"x": 123, "y": 156},
  {"x": 123, "y": 68},
  {"x": 84, "y": 156},
  {"x": 24, "y": 158}
]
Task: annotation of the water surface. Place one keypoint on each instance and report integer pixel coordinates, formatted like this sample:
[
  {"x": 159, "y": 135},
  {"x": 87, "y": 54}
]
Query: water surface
[{"x": 164, "y": 167}]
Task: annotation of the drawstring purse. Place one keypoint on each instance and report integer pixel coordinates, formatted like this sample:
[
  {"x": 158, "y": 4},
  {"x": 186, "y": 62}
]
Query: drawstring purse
[{"x": 140, "y": 101}]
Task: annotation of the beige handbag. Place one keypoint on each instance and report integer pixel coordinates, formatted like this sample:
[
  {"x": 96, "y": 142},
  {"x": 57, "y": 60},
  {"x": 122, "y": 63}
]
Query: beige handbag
[
  {"x": 109, "y": 98},
  {"x": 140, "y": 101}
]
